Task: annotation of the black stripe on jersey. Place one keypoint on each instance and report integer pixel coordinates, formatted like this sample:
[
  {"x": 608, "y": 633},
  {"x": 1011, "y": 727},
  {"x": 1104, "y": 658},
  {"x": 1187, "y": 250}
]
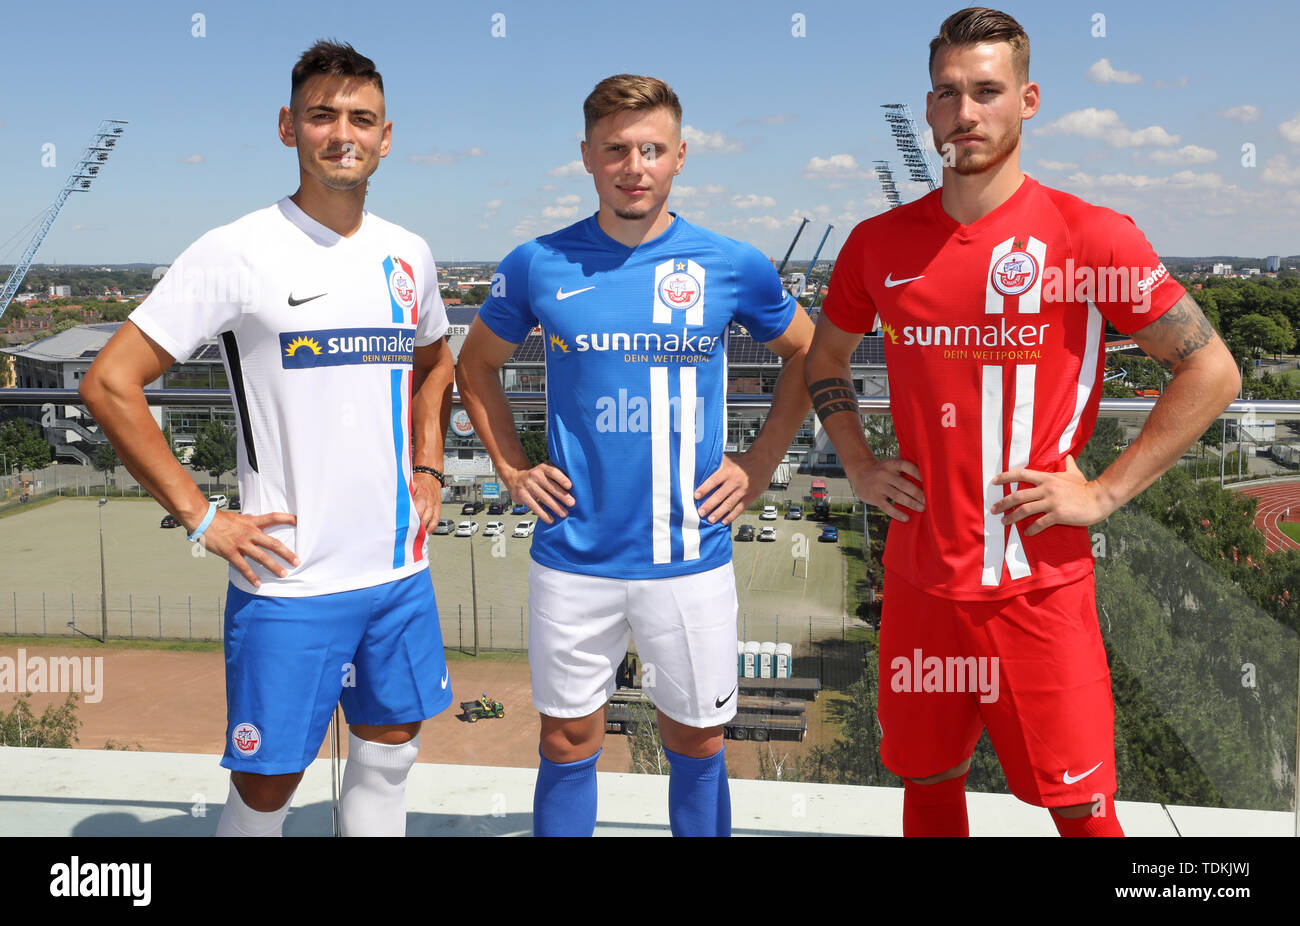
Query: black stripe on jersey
[{"x": 241, "y": 400}]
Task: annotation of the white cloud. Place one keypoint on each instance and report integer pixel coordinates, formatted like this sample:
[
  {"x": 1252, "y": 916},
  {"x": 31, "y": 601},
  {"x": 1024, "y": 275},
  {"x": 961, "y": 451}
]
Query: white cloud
[
  {"x": 572, "y": 169},
  {"x": 192, "y": 159},
  {"x": 1163, "y": 84},
  {"x": 1182, "y": 179},
  {"x": 1056, "y": 165},
  {"x": 1102, "y": 72},
  {"x": 437, "y": 156},
  {"x": 751, "y": 200},
  {"x": 837, "y": 166},
  {"x": 569, "y": 200},
  {"x": 559, "y": 212},
  {"x": 494, "y": 204},
  {"x": 684, "y": 191},
  {"x": 1246, "y": 112},
  {"x": 1279, "y": 172},
  {"x": 711, "y": 142},
  {"x": 1188, "y": 154},
  {"x": 1291, "y": 130},
  {"x": 1106, "y": 124}
]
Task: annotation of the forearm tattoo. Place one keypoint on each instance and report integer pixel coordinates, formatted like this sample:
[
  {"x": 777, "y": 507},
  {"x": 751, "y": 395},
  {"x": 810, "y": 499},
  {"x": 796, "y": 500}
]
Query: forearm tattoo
[{"x": 833, "y": 395}]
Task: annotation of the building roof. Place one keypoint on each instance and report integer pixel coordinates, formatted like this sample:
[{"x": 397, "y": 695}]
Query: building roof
[{"x": 83, "y": 342}]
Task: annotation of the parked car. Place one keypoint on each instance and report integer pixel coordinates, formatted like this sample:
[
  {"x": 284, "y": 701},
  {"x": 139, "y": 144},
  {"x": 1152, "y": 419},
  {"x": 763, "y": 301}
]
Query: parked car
[
  {"x": 769, "y": 513},
  {"x": 794, "y": 511},
  {"x": 520, "y": 509},
  {"x": 829, "y": 534},
  {"x": 221, "y": 500},
  {"x": 493, "y": 528},
  {"x": 445, "y": 526},
  {"x": 234, "y": 505},
  {"x": 821, "y": 511},
  {"x": 169, "y": 521},
  {"x": 525, "y": 528},
  {"x": 497, "y": 508},
  {"x": 745, "y": 532},
  {"x": 471, "y": 508},
  {"x": 767, "y": 534},
  {"x": 467, "y": 529}
]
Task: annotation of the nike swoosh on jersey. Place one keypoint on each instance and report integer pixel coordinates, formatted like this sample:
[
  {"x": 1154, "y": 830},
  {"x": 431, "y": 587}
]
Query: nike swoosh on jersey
[
  {"x": 1071, "y": 779},
  {"x": 444, "y": 680},
  {"x": 293, "y": 301},
  {"x": 718, "y": 702},
  {"x": 561, "y": 295},
  {"x": 891, "y": 283}
]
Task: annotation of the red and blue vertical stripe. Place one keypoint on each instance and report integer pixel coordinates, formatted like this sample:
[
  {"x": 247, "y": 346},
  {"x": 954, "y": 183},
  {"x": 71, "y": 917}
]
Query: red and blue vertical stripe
[{"x": 401, "y": 383}]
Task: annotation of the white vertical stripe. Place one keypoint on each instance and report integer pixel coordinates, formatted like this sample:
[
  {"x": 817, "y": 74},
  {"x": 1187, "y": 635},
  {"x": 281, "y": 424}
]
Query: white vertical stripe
[
  {"x": 990, "y": 466},
  {"x": 1022, "y": 435},
  {"x": 1087, "y": 377},
  {"x": 660, "y": 465},
  {"x": 686, "y": 467},
  {"x": 1031, "y": 298},
  {"x": 993, "y": 298},
  {"x": 695, "y": 314},
  {"x": 661, "y": 313}
]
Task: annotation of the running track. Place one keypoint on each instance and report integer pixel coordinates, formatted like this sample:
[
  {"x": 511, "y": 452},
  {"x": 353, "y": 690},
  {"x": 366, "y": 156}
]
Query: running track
[{"x": 1274, "y": 500}]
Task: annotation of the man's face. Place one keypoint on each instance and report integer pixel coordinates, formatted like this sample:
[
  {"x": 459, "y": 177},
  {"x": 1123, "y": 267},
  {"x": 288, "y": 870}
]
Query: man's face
[
  {"x": 633, "y": 156},
  {"x": 337, "y": 124},
  {"x": 976, "y": 106}
]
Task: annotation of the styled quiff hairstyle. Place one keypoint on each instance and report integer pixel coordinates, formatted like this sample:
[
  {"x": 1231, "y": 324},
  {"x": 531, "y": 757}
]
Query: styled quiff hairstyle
[
  {"x": 624, "y": 92},
  {"x": 338, "y": 59},
  {"x": 978, "y": 25}
]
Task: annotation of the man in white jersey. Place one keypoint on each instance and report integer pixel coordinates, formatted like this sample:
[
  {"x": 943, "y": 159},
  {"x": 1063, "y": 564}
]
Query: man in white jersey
[
  {"x": 331, "y": 330},
  {"x": 636, "y": 304}
]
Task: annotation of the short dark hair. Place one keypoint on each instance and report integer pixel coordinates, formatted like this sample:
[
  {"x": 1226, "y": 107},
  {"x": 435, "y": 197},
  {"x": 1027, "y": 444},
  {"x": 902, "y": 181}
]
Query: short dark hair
[
  {"x": 625, "y": 92},
  {"x": 978, "y": 25},
  {"x": 337, "y": 59}
]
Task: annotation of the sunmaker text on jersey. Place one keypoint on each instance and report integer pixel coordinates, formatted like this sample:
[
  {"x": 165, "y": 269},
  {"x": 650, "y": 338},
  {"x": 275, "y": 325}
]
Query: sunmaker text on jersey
[
  {"x": 342, "y": 346},
  {"x": 1000, "y": 335},
  {"x": 645, "y": 342}
]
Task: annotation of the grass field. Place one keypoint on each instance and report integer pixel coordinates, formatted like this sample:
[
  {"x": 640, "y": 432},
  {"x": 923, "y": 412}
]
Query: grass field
[{"x": 1291, "y": 529}]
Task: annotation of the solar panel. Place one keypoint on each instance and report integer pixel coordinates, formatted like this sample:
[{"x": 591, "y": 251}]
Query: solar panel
[{"x": 530, "y": 350}]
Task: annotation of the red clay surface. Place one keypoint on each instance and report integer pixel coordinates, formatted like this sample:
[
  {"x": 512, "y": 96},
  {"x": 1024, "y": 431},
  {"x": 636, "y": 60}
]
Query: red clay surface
[{"x": 1277, "y": 502}]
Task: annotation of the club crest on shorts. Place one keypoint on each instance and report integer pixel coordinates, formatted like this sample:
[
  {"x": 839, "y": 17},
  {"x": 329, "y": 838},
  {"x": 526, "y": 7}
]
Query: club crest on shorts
[
  {"x": 1014, "y": 273},
  {"x": 679, "y": 287},
  {"x": 246, "y": 739}
]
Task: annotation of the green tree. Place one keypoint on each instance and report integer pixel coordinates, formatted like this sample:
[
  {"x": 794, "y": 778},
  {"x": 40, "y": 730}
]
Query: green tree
[
  {"x": 171, "y": 441},
  {"x": 23, "y": 445},
  {"x": 1260, "y": 335},
  {"x": 643, "y": 742},
  {"x": 214, "y": 449},
  {"x": 56, "y": 728},
  {"x": 106, "y": 460},
  {"x": 534, "y": 446}
]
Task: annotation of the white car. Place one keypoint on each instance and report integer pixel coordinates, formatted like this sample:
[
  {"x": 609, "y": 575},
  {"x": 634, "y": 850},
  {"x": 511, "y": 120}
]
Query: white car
[
  {"x": 525, "y": 528},
  {"x": 769, "y": 513},
  {"x": 221, "y": 500},
  {"x": 466, "y": 528},
  {"x": 493, "y": 528},
  {"x": 767, "y": 534}
]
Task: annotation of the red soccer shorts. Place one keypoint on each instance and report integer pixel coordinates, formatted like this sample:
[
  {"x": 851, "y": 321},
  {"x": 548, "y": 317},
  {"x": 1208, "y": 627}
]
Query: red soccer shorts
[{"x": 1032, "y": 669}]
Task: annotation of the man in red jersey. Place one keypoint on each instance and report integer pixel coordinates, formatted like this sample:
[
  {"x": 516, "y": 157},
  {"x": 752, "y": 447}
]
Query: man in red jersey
[{"x": 992, "y": 294}]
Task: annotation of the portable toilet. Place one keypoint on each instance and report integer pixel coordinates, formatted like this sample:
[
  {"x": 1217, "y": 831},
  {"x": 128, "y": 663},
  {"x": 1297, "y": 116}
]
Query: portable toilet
[
  {"x": 751, "y": 659},
  {"x": 766, "y": 657},
  {"x": 784, "y": 660},
  {"x": 740, "y": 658}
]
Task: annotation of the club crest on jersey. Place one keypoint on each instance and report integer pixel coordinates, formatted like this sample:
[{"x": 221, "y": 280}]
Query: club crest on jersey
[
  {"x": 401, "y": 286},
  {"x": 1014, "y": 273},
  {"x": 246, "y": 739},
  {"x": 679, "y": 286}
]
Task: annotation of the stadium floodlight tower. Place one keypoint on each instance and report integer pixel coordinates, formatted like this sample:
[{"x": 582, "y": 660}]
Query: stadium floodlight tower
[
  {"x": 908, "y": 138},
  {"x": 92, "y": 161},
  {"x": 887, "y": 185}
]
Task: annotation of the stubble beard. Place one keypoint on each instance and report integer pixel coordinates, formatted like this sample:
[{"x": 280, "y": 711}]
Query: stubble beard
[{"x": 968, "y": 162}]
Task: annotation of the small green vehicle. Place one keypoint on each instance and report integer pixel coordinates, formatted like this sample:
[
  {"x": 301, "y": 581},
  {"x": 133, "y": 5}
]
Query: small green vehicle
[{"x": 483, "y": 707}]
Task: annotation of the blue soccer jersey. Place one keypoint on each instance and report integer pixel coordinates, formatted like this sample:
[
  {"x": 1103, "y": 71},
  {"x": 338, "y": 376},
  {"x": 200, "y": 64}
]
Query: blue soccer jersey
[{"x": 636, "y": 377}]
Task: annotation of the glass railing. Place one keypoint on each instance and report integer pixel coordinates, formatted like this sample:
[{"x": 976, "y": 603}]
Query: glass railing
[{"x": 1198, "y": 592}]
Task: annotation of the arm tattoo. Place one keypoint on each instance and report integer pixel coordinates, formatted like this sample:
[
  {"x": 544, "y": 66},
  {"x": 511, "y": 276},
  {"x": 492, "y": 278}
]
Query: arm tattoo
[
  {"x": 833, "y": 395},
  {"x": 1179, "y": 333}
]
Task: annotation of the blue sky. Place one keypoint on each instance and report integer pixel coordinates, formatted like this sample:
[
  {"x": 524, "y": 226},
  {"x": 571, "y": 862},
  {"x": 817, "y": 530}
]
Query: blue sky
[{"x": 1149, "y": 119}]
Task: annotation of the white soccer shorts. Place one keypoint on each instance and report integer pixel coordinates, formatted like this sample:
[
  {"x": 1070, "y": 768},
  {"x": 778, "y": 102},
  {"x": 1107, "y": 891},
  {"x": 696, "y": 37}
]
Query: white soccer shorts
[{"x": 685, "y": 631}]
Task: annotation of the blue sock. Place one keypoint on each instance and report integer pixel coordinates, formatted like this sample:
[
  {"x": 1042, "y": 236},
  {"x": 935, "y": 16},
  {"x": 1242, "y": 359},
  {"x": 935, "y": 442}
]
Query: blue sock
[
  {"x": 564, "y": 801},
  {"x": 699, "y": 801}
]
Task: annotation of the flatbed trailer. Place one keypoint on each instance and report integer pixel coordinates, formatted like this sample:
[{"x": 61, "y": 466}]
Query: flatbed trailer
[
  {"x": 806, "y": 689},
  {"x": 757, "y": 718}
]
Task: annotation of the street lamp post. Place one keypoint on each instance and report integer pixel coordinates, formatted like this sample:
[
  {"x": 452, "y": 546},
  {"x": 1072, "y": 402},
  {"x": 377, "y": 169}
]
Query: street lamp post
[{"x": 103, "y": 599}]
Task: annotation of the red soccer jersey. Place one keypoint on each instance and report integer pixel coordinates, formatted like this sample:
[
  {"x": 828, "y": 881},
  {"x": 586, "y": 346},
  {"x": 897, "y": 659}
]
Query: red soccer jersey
[{"x": 994, "y": 343}]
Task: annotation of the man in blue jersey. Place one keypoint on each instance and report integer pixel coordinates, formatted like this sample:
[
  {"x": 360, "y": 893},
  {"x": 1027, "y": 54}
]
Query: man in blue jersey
[{"x": 635, "y": 304}]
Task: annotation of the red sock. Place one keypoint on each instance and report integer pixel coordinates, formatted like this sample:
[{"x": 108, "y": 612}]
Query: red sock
[
  {"x": 935, "y": 810},
  {"x": 1101, "y": 822}
]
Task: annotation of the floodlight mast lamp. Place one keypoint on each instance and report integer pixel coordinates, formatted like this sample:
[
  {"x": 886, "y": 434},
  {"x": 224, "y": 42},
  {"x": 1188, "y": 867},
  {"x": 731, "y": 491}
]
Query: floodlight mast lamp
[
  {"x": 92, "y": 161},
  {"x": 908, "y": 138}
]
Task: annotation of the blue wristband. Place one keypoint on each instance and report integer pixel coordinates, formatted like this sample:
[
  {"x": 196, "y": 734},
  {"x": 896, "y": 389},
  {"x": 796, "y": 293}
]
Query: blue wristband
[{"x": 203, "y": 525}]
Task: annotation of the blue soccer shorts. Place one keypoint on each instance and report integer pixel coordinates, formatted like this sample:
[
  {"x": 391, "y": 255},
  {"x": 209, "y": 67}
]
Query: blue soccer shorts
[{"x": 289, "y": 661}]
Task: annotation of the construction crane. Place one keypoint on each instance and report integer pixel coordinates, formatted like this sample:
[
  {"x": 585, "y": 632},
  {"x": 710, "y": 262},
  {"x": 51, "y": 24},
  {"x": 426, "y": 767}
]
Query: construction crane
[
  {"x": 92, "y": 161},
  {"x": 908, "y": 138},
  {"x": 808, "y": 276},
  {"x": 790, "y": 250}
]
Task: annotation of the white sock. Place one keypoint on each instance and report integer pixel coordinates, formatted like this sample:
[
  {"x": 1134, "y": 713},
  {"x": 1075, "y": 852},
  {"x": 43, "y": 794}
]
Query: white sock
[
  {"x": 373, "y": 802},
  {"x": 238, "y": 819}
]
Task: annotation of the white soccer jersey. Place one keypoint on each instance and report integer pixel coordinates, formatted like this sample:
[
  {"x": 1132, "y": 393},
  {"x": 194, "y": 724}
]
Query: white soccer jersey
[{"x": 317, "y": 334}]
